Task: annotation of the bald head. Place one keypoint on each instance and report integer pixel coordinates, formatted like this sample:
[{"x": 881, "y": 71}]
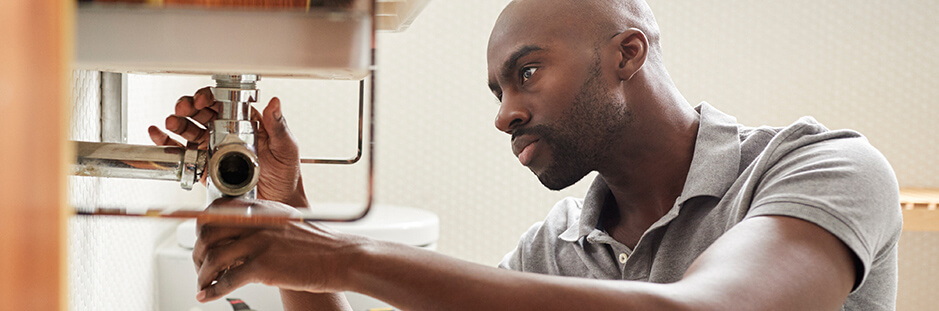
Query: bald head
[{"x": 576, "y": 22}]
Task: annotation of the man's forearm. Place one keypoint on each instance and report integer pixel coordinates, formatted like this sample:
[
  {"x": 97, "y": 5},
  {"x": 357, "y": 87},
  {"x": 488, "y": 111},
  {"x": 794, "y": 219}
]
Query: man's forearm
[
  {"x": 305, "y": 301},
  {"x": 415, "y": 279}
]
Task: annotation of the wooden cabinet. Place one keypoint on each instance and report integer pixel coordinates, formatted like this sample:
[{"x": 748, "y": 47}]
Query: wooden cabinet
[
  {"x": 35, "y": 53},
  {"x": 920, "y": 209}
]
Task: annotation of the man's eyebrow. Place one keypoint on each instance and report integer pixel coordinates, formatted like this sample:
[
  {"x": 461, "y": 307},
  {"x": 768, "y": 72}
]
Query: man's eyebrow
[
  {"x": 521, "y": 52},
  {"x": 511, "y": 62}
]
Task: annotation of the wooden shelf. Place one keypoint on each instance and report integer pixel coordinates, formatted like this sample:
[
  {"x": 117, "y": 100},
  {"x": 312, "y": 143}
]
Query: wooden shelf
[{"x": 920, "y": 209}]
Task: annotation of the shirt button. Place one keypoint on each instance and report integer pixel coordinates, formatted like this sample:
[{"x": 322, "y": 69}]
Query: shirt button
[{"x": 623, "y": 257}]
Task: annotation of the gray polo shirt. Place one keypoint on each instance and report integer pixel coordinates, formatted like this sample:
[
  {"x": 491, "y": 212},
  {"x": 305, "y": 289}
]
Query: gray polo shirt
[{"x": 834, "y": 179}]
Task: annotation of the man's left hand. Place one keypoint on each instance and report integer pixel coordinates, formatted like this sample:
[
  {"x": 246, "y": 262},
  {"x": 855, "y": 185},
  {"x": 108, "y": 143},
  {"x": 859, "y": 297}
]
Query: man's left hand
[{"x": 296, "y": 256}]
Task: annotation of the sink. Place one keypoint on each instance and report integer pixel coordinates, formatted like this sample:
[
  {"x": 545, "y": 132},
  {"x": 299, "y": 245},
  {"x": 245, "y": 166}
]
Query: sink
[{"x": 276, "y": 43}]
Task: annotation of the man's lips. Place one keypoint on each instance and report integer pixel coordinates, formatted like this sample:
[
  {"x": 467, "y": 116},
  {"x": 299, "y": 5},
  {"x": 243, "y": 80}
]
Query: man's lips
[{"x": 522, "y": 147}]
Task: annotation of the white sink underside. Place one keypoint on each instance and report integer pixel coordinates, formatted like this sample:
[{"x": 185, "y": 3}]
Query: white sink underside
[{"x": 270, "y": 43}]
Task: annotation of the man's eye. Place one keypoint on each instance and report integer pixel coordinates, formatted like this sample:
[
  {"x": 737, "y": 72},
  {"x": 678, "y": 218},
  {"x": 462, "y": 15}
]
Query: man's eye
[{"x": 527, "y": 72}]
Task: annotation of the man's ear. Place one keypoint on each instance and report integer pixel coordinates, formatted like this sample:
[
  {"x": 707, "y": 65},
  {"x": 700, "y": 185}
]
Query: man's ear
[{"x": 632, "y": 48}]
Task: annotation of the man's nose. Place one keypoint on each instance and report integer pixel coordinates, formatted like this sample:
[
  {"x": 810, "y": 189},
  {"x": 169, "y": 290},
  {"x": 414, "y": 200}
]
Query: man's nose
[{"x": 512, "y": 114}]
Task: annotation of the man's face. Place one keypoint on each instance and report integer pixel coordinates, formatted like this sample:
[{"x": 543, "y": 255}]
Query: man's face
[{"x": 555, "y": 102}]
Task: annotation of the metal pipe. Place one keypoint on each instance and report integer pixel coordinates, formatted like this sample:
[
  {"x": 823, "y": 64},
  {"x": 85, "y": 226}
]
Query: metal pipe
[
  {"x": 139, "y": 162},
  {"x": 113, "y": 107},
  {"x": 233, "y": 165},
  {"x": 358, "y": 151}
]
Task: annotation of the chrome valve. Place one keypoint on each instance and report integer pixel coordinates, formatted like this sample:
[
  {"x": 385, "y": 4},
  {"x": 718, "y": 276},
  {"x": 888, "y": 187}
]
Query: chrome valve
[{"x": 233, "y": 161}]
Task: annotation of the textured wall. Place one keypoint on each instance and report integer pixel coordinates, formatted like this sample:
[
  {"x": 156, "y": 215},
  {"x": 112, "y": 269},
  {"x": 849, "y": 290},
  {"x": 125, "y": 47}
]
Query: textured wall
[
  {"x": 866, "y": 65},
  {"x": 84, "y": 126},
  {"x": 110, "y": 263},
  {"x": 919, "y": 259}
]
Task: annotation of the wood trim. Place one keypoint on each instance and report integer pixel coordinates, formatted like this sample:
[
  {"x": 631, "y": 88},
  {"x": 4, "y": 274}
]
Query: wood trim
[
  {"x": 34, "y": 68},
  {"x": 920, "y": 212}
]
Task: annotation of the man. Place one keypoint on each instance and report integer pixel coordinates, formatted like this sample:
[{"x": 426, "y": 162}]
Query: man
[{"x": 690, "y": 210}]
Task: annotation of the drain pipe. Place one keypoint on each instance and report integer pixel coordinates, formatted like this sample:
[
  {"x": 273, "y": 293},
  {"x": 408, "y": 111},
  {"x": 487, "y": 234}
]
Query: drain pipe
[{"x": 139, "y": 162}]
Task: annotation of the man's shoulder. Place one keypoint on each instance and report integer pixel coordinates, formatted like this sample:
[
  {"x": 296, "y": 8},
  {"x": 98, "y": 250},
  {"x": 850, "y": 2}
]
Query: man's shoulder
[
  {"x": 809, "y": 157},
  {"x": 804, "y": 139}
]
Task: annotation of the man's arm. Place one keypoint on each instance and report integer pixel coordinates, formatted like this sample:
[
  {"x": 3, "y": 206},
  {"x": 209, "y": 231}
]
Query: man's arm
[
  {"x": 770, "y": 262},
  {"x": 306, "y": 301},
  {"x": 773, "y": 262},
  {"x": 765, "y": 262}
]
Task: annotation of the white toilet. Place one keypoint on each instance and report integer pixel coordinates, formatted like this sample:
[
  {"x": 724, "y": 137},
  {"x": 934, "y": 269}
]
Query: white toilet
[{"x": 176, "y": 276}]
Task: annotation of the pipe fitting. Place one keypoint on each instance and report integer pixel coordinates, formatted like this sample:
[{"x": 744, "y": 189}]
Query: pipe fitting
[
  {"x": 194, "y": 162},
  {"x": 233, "y": 161},
  {"x": 234, "y": 169}
]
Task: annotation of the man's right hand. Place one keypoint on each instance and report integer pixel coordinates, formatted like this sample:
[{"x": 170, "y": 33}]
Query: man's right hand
[{"x": 278, "y": 151}]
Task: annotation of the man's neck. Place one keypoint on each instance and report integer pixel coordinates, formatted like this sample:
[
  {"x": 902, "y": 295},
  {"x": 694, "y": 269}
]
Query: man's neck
[{"x": 648, "y": 175}]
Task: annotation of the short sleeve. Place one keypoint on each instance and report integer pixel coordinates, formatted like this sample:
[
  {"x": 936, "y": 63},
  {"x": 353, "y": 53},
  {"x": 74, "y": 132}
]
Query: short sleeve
[
  {"x": 514, "y": 259},
  {"x": 843, "y": 185},
  {"x": 540, "y": 250}
]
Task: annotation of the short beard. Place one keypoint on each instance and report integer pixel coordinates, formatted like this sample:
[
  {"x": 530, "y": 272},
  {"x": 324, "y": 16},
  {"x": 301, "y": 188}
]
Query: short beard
[{"x": 583, "y": 139}]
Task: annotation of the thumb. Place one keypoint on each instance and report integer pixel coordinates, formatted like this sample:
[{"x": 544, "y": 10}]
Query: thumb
[{"x": 276, "y": 127}]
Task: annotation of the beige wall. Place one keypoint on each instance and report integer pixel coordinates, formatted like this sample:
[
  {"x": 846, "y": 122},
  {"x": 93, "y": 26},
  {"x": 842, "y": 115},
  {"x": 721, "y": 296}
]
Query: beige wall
[{"x": 866, "y": 65}]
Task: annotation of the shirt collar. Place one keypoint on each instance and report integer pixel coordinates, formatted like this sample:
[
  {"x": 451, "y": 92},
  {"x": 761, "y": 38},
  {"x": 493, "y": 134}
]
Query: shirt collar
[
  {"x": 596, "y": 197},
  {"x": 714, "y": 167},
  {"x": 716, "y": 161}
]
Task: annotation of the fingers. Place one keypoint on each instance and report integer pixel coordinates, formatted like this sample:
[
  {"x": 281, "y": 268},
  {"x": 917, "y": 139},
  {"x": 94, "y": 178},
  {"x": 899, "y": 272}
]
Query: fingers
[
  {"x": 204, "y": 99},
  {"x": 228, "y": 257},
  {"x": 186, "y": 128},
  {"x": 282, "y": 143},
  {"x": 192, "y": 115},
  {"x": 185, "y": 107},
  {"x": 160, "y": 138},
  {"x": 227, "y": 281},
  {"x": 273, "y": 119},
  {"x": 211, "y": 237}
]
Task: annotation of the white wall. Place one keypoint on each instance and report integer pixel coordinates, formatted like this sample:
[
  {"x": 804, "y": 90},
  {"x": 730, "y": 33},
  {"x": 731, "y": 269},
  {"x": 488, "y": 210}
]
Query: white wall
[
  {"x": 866, "y": 65},
  {"x": 110, "y": 259}
]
